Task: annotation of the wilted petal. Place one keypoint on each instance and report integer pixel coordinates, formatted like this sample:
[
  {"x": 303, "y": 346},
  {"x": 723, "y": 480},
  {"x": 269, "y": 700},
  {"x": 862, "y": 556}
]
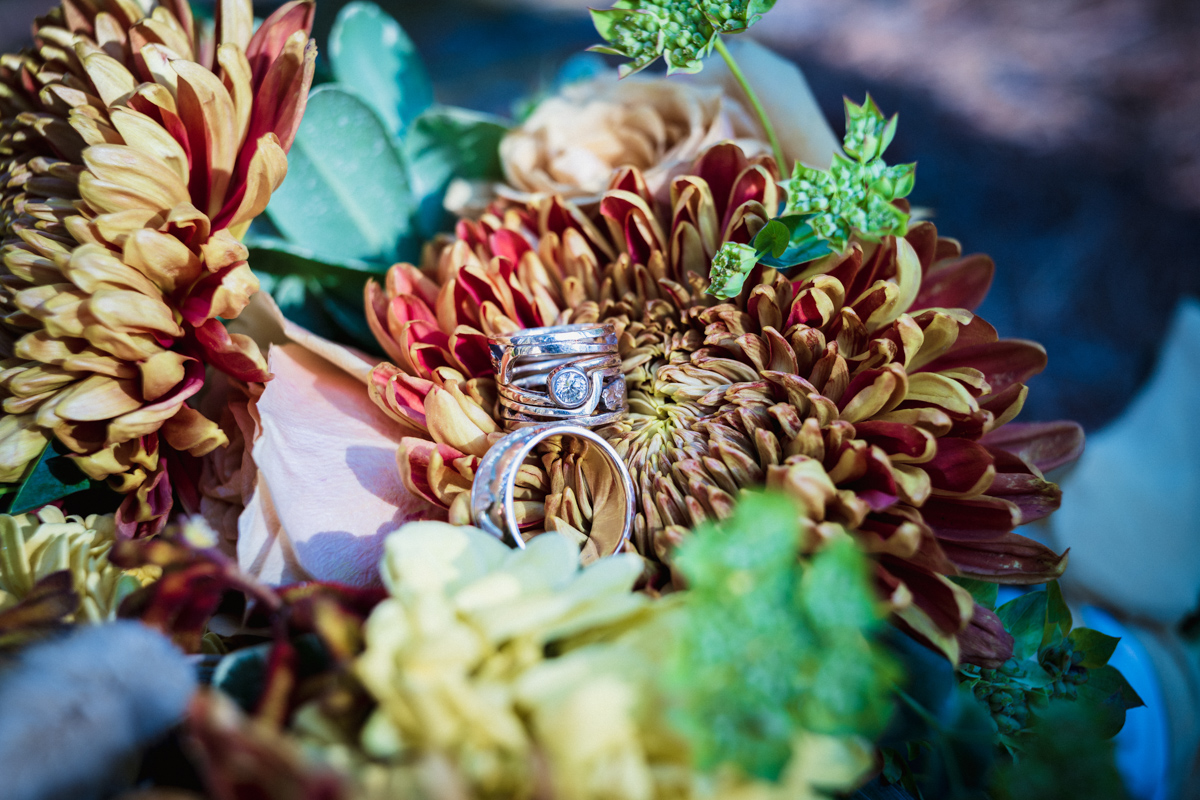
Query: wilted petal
[
  {"x": 1008, "y": 558},
  {"x": 984, "y": 642}
]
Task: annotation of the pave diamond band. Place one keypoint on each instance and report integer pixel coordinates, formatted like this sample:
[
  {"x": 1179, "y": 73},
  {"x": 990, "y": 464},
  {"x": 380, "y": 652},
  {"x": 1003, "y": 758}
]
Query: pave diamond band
[{"x": 562, "y": 373}]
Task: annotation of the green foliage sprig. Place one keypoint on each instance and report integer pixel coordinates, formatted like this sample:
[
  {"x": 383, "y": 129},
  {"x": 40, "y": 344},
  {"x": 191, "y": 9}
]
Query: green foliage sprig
[
  {"x": 857, "y": 194},
  {"x": 681, "y": 32},
  {"x": 771, "y": 645},
  {"x": 1052, "y": 663},
  {"x": 825, "y": 208}
]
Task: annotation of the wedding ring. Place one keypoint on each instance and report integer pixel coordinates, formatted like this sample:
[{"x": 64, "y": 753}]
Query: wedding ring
[
  {"x": 494, "y": 487},
  {"x": 562, "y": 373}
]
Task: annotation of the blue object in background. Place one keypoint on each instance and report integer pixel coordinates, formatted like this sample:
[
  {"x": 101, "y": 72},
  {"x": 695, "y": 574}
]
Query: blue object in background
[{"x": 1144, "y": 744}]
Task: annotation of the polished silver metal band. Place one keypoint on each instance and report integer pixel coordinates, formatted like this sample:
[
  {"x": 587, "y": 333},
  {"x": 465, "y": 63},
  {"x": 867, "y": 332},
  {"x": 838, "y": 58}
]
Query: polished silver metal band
[
  {"x": 492, "y": 492},
  {"x": 561, "y": 373}
]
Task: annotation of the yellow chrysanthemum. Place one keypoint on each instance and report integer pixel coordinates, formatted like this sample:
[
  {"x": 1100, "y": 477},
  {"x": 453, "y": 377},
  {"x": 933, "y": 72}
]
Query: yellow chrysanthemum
[
  {"x": 33, "y": 546},
  {"x": 133, "y": 152},
  {"x": 502, "y": 673}
]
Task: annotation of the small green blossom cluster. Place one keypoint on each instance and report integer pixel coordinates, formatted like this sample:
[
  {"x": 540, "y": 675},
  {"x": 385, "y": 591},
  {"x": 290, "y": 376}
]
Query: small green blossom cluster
[
  {"x": 735, "y": 16},
  {"x": 1001, "y": 690},
  {"x": 856, "y": 194},
  {"x": 1064, "y": 664},
  {"x": 1009, "y": 690},
  {"x": 683, "y": 32},
  {"x": 730, "y": 268},
  {"x": 643, "y": 30}
]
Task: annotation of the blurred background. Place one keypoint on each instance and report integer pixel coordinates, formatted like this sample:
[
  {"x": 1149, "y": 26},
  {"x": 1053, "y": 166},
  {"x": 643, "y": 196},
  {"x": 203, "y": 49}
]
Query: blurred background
[{"x": 1062, "y": 137}]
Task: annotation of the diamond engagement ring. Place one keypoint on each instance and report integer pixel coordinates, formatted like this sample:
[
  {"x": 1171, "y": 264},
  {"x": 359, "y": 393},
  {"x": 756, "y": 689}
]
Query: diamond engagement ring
[
  {"x": 492, "y": 493},
  {"x": 561, "y": 373}
]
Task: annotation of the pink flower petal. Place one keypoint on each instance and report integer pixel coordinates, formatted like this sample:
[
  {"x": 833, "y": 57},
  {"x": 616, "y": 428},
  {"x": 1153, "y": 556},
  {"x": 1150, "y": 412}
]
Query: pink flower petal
[{"x": 328, "y": 490}]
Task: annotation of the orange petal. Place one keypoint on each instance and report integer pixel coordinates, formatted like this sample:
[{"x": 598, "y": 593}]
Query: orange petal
[
  {"x": 207, "y": 110},
  {"x": 191, "y": 431},
  {"x": 97, "y": 398},
  {"x": 21, "y": 441}
]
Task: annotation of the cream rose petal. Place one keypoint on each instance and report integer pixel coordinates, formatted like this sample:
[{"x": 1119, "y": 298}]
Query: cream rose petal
[{"x": 328, "y": 492}]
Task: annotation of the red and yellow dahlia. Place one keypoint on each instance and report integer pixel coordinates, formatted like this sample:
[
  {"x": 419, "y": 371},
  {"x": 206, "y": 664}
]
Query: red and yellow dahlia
[
  {"x": 864, "y": 385},
  {"x": 134, "y": 151}
]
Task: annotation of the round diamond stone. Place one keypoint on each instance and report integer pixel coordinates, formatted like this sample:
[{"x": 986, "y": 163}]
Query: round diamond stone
[{"x": 569, "y": 388}]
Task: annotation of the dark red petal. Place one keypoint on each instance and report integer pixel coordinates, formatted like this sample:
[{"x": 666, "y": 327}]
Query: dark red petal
[
  {"x": 956, "y": 284},
  {"x": 973, "y": 519},
  {"x": 959, "y": 465},
  {"x": 268, "y": 41},
  {"x": 923, "y": 238},
  {"x": 510, "y": 244},
  {"x": 984, "y": 642},
  {"x": 233, "y": 354},
  {"x": 930, "y": 594},
  {"x": 977, "y": 331},
  {"x": 1003, "y": 363},
  {"x": 1033, "y": 495},
  {"x": 1046, "y": 445},
  {"x": 894, "y": 438},
  {"x": 1011, "y": 559},
  {"x": 720, "y": 166},
  {"x": 471, "y": 349}
]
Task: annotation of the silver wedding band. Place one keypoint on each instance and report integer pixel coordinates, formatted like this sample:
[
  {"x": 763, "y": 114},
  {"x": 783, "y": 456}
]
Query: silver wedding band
[
  {"x": 562, "y": 373},
  {"x": 494, "y": 487}
]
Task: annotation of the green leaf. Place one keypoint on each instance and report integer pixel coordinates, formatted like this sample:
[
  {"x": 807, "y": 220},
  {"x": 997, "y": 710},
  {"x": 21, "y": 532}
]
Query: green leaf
[
  {"x": 329, "y": 304},
  {"x": 445, "y": 143},
  {"x": 1058, "y": 615},
  {"x": 281, "y": 257},
  {"x": 1097, "y": 648},
  {"x": 1107, "y": 691},
  {"x": 1025, "y": 618},
  {"x": 371, "y": 54},
  {"x": 242, "y": 674},
  {"x": 803, "y": 246},
  {"x": 53, "y": 477},
  {"x": 346, "y": 196},
  {"x": 984, "y": 593},
  {"x": 773, "y": 238}
]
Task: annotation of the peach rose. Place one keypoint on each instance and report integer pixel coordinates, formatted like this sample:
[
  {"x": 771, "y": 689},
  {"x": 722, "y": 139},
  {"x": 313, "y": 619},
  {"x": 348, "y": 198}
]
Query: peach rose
[{"x": 573, "y": 141}]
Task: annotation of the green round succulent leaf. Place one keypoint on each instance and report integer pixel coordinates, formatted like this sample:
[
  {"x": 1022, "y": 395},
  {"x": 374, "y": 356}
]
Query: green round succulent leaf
[
  {"x": 371, "y": 54},
  {"x": 346, "y": 196}
]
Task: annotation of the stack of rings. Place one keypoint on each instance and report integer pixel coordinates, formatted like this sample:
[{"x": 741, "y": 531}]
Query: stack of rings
[
  {"x": 556, "y": 381},
  {"x": 563, "y": 373}
]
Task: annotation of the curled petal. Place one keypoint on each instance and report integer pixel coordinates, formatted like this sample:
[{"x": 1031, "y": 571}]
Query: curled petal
[
  {"x": 21, "y": 441},
  {"x": 1046, "y": 445},
  {"x": 984, "y": 642},
  {"x": 192, "y": 432},
  {"x": 1009, "y": 558},
  {"x": 233, "y": 353}
]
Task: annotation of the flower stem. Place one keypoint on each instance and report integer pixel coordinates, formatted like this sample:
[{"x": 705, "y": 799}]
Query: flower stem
[{"x": 768, "y": 128}]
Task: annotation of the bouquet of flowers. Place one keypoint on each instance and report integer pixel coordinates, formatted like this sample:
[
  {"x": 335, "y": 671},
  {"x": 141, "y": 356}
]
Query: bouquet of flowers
[{"x": 646, "y": 446}]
